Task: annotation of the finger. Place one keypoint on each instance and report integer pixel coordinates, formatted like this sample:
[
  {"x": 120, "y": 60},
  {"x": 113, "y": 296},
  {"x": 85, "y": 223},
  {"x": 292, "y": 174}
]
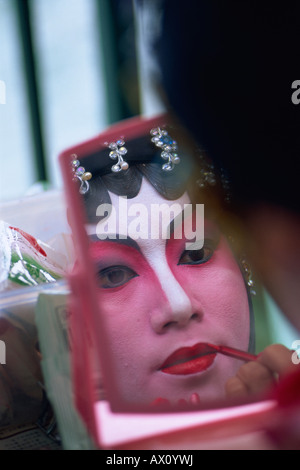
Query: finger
[
  {"x": 195, "y": 399},
  {"x": 277, "y": 358},
  {"x": 235, "y": 387},
  {"x": 256, "y": 377}
]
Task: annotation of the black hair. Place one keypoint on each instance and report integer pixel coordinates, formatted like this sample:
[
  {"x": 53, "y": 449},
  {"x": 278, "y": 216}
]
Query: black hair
[
  {"x": 144, "y": 162},
  {"x": 227, "y": 69},
  {"x": 128, "y": 183}
]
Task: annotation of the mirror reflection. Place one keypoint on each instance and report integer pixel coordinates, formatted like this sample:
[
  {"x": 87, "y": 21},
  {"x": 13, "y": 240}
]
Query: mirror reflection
[{"x": 174, "y": 287}]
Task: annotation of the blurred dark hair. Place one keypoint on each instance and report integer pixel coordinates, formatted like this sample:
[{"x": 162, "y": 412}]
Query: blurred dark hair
[{"x": 227, "y": 68}]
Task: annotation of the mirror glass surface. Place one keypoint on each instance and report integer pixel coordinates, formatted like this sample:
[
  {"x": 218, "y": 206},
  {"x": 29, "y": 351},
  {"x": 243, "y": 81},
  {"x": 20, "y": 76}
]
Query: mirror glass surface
[{"x": 172, "y": 288}]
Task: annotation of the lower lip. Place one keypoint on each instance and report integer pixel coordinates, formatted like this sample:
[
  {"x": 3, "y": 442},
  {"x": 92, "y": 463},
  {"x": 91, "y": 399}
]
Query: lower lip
[{"x": 193, "y": 366}]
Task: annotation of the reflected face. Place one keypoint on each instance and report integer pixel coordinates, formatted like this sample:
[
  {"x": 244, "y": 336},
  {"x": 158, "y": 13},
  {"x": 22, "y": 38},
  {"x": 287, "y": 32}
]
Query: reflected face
[{"x": 163, "y": 303}]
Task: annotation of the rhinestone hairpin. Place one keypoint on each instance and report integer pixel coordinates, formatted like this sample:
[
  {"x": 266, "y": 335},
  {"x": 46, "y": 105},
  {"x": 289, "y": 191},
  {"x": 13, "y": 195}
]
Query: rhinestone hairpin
[
  {"x": 248, "y": 275},
  {"x": 117, "y": 152},
  {"x": 244, "y": 265},
  {"x": 208, "y": 175},
  {"x": 161, "y": 139},
  {"x": 79, "y": 174}
]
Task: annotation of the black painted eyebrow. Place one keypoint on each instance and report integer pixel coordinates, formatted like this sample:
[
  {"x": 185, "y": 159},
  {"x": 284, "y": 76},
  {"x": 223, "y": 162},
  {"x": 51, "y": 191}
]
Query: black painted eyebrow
[
  {"x": 172, "y": 223},
  {"x": 128, "y": 241},
  {"x": 216, "y": 230}
]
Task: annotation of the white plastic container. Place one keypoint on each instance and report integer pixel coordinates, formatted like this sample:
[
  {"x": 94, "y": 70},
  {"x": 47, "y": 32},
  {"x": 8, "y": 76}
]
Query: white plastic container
[{"x": 42, "y": 216}]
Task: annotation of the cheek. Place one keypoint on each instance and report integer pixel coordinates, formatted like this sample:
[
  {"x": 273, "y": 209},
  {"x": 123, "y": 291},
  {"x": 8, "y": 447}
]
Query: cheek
[
  {"x": 222, "y": 297},
  {"x": 217, "y": 289},
  {"x": 131, "y": 339},
  {"x": 127, "y": 312}
]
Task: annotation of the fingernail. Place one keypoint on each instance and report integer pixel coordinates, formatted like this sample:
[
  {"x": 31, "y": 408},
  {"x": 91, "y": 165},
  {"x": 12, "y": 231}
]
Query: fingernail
[
  {"x": 195, "y": 399},
  {"x": 182, "y": 401},
  {"x": 160, "y": 402}
]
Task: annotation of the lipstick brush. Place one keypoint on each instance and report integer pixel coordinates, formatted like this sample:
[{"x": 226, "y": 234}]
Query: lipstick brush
[{"x": 232, "y": 352}]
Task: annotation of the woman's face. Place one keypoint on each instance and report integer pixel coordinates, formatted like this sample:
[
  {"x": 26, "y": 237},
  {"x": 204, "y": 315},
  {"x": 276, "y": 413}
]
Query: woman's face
[{"x": 163, "y": 303}]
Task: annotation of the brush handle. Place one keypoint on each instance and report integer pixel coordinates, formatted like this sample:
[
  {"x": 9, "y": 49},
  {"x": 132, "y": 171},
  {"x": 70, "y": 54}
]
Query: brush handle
[{"x": 236, "y": 353}]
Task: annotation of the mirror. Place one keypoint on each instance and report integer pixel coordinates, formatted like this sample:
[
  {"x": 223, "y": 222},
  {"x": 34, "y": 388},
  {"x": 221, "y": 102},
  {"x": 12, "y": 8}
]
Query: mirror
[{"x": 160, "y": 288}]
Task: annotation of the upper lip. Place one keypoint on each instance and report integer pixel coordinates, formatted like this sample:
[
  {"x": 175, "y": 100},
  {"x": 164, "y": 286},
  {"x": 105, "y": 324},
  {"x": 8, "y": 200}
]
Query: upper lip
[{"x": 188, "y": 353}]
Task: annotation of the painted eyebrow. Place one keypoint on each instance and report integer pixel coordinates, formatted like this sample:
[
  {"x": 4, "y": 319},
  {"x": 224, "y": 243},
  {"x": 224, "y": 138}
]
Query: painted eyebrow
[
  {"x": 179, "y": 216},
  {"x": 128, "y": 241},
  {"x": 216, "y": 231}
]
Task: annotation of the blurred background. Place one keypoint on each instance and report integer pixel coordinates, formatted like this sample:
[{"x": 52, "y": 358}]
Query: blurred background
[{"x": 68, "y": 69}]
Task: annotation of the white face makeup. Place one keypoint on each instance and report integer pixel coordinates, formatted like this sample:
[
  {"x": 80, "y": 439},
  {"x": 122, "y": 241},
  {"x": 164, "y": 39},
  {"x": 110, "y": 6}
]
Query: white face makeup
[{"x": 163, "y": 303}]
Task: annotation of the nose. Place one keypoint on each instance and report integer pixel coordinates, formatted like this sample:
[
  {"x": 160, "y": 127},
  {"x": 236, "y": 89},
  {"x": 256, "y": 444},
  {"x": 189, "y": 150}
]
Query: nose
[{"x": 175, "y": 307}]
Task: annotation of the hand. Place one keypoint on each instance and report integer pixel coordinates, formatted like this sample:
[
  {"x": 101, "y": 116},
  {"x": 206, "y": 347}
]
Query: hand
[{"x": 256, "y": 377}]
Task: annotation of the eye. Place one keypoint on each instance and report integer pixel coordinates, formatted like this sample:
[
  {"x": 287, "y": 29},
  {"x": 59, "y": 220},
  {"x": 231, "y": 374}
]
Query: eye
[
  {"x": 194, "y": 257},
  {"x": 115, "y": 276}
]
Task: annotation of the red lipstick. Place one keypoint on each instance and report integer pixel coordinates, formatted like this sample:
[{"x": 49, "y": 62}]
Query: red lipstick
[
  {"x": 198, "y": 358},
  {"x": 189, "y": 360}
]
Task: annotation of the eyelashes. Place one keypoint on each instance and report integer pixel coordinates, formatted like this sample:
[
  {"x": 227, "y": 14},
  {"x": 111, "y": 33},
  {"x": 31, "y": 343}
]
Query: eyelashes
[
  {"x": 119, "y": 275},
  {"x": 196, "y": 257},
  {"x": 115, "y": 276}
]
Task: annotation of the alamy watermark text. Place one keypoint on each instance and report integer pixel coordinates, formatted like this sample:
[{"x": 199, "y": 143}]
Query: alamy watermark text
[
  {"x": 2, "y": 352},
  {"x": 157, "y": 221},
  {"x": 2, "y": 92}
]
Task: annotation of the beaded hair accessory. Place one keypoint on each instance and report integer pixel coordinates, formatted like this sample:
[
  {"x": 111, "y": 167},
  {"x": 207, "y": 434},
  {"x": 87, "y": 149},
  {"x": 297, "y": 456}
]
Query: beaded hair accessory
[
  {"x": 117, "y": 153},
  {"x": 79, "y": 174},
  {"x": 161, "y": 139}
]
